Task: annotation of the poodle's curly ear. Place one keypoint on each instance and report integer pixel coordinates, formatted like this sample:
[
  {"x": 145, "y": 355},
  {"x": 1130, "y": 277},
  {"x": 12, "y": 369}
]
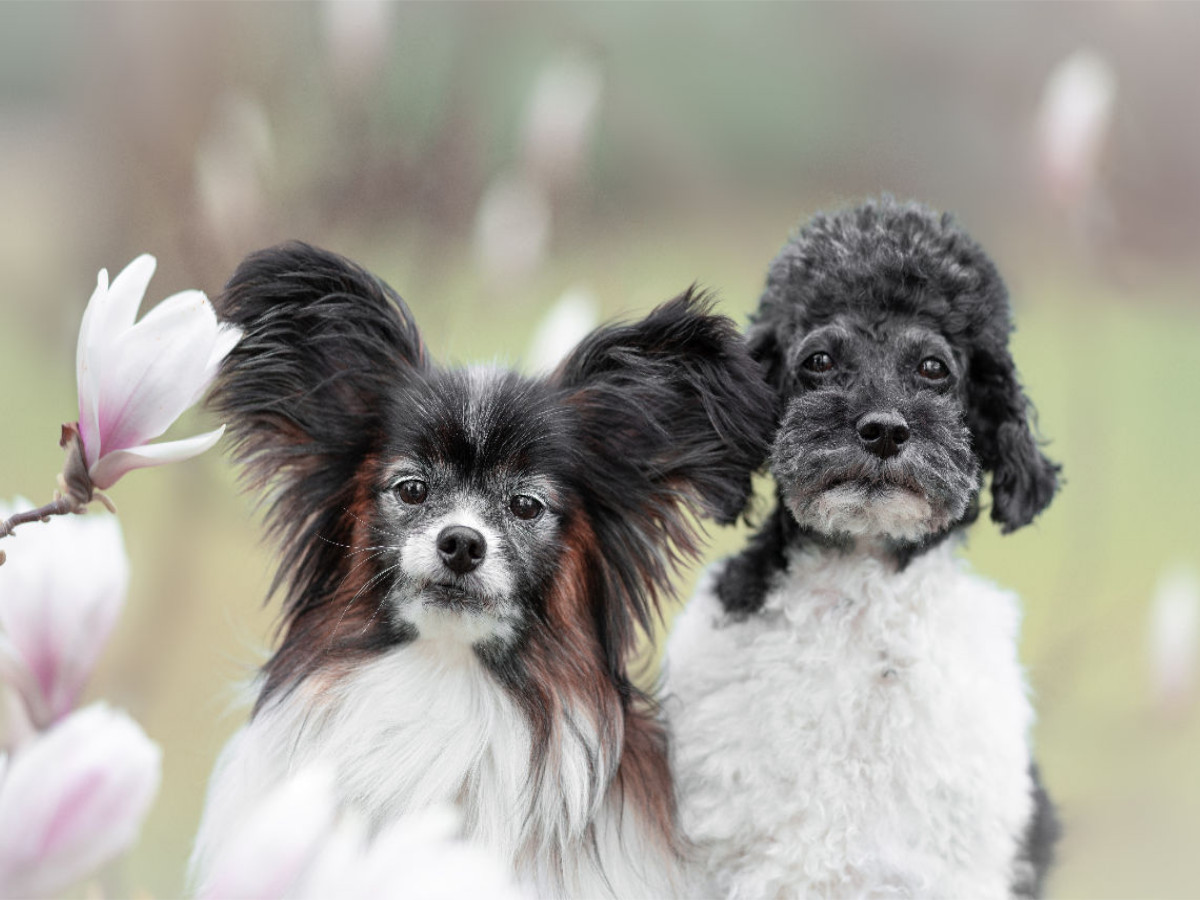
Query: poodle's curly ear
[{"x": 1023, "y": 479}]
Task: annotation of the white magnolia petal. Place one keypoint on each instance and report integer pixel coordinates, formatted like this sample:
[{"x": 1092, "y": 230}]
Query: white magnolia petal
[
  {"x": 155, "y": 369},
  {"x": 24, "y": 688},
  {"x": 420, "y": 857},
  {"x": 125, "y": 297},
  {"x": 227, "y": 338},
  {"x": 73, "y": 799},
  {"x": 276, "y": 844},
  {"x": 567, "y": 323},
  {"x": 113, "y": 317},
  {"x": 61, "y": 592},
  {"x": 86, "y": 367},
  {"x": 113, "y": 465},
  {"x": 336, "y": 870}
]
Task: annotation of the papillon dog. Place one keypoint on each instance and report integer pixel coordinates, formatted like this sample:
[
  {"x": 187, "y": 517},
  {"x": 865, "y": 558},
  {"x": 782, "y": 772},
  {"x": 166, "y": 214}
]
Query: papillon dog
[{"x": 466, "y": 556}]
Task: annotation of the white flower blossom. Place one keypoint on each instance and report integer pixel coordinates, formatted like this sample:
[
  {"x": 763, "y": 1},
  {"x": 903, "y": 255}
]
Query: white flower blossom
[
  {"x": 73, "y": 799},
  {"x": 296, "y": 844},
  {"x": 135, "y": 379},
  {"x": 61, "y": 592},
  {"x": 566, "y": 323},
  {"x": 1174, "y": 636},
  {"x": 1075, "y": 119}
]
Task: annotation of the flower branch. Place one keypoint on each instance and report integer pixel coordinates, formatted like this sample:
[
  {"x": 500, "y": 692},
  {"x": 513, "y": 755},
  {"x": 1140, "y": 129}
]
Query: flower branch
[{"x": 134, "y": 380}]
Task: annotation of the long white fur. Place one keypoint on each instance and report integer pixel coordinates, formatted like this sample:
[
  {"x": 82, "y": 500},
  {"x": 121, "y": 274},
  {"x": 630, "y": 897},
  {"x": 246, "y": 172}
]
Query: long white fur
[
  {"x": 865, "y": 735},
  {"x": 425, "y": 725}
]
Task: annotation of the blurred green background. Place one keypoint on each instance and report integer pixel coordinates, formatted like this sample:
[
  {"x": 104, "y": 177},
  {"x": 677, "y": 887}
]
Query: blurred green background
[{"x": 487, "y": 159}]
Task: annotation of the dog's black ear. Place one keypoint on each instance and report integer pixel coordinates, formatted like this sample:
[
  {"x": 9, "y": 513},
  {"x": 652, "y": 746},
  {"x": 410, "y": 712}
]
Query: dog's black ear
[
  {"x": 324, "y": 344},
  {"x": 1023, "y": 479},
  {"x": 762, "y": 340},
  {"x": 676, "y": 405},
  {"x": 675, "y": 417}
]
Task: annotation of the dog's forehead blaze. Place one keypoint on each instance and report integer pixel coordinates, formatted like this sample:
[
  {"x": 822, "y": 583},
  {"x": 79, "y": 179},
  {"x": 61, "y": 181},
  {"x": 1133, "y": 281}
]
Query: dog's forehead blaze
[{"x": 477, "y": 423}]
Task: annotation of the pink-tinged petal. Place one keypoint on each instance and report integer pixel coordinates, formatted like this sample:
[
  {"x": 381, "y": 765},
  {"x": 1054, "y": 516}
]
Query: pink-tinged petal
[
  {"x": 26, "y": 701},
  {"x": 109, "y": 314},
  {"x": 113, "y": 466},
  {"x": 155, "y": 370},
  {"x": 273, "y": 847},
  {"x": 85, "y": 369},
  {"x": 61, "y": 592},
  {"x": 73, "y": 799}
]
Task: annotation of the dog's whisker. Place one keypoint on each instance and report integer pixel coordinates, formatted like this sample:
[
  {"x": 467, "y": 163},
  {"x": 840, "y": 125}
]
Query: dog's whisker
[{"x": 374, "y": 579}]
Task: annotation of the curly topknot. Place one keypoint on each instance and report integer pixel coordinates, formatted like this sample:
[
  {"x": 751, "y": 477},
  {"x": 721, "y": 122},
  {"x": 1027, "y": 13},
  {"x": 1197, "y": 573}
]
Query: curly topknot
[{"x": 889, "y": 257}]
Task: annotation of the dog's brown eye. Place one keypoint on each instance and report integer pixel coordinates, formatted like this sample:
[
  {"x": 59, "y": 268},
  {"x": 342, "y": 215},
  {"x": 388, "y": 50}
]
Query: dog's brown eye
[
  {"x": 413, "y": 491},
  {"x": 932, "y": 368},
  {"x": 818, "y": 362},
  {"x": 525, "y": 507}
]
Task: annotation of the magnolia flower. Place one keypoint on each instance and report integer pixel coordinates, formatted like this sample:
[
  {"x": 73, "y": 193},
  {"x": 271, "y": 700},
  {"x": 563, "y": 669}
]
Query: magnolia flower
[
  {"x": 1174, "y": 636},
  {"x": 1074, "y": 123},
  {"x": 560, "y": 117},
  {"x": 357, "y": 36},
  {"x": 565, "y": 325},
  {"x": 60, "y": 596},
  {"x": 73, "y": 799},
  {"x": 512, "y": 227},
  {"x": 294, "y": 845},
  {"x": 136, "y": 379},
  {"x": 420, "y": 857},
  {"x": 267, "y": 855}
]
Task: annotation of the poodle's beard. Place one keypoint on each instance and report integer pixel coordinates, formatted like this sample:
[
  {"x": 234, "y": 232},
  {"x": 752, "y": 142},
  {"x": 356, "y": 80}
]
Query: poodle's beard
[
  {"x": 843, "y": 492},
  {"x": 867, "y": 509}
]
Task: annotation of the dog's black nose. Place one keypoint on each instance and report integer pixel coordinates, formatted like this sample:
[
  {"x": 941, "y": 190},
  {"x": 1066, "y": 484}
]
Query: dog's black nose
[
  {"x": 462, "y": 549},
  {"x": 883, "y": 433}
]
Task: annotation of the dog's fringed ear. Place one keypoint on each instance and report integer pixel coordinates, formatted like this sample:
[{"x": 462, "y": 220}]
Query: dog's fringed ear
[
  {"x": 325, "y": 343},
  {"x": 1023, "y": 479},
  {"x": 674, "y": 413},
  {"x": 676, "y": 400}
]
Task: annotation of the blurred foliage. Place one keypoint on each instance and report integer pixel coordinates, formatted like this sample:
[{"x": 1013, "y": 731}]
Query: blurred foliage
[{"x": 199, "y": 132}]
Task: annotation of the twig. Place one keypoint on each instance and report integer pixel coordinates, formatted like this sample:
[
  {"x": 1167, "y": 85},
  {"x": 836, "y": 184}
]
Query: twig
[
  {"x": 75, "y": 488},
  {"x": 60, "y": 507}
]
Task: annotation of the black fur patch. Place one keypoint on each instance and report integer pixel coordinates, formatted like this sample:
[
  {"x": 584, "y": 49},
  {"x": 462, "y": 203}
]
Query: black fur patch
[{"x": 1037, "y": 848}]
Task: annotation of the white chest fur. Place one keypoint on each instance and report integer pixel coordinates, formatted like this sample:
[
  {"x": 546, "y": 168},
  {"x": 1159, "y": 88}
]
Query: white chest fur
[
  {"x": 427, "y": 724},
  {"x": 864, "y": 735}
]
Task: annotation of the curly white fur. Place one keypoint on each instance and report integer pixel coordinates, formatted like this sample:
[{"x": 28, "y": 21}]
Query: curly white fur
[{"x": 864, "y": 735}]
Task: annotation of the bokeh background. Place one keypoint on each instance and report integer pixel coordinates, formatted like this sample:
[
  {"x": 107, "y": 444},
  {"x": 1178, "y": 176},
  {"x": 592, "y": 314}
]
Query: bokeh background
[{"x": 492, "y": 161}]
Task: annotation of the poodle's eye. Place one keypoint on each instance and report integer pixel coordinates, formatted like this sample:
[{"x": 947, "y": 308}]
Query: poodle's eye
[
  {"x": 818, "y": 362},
  {"x": 933, "y": 369},
  {"x": 412, "y": 491},
  {"x": 525, "y": 507}
]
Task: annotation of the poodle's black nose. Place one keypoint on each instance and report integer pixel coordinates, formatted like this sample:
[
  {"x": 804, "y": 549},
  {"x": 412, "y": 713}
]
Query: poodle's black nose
[
  {"x": 883, "y": 433},
  {"x": 462, "y": 549}
]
